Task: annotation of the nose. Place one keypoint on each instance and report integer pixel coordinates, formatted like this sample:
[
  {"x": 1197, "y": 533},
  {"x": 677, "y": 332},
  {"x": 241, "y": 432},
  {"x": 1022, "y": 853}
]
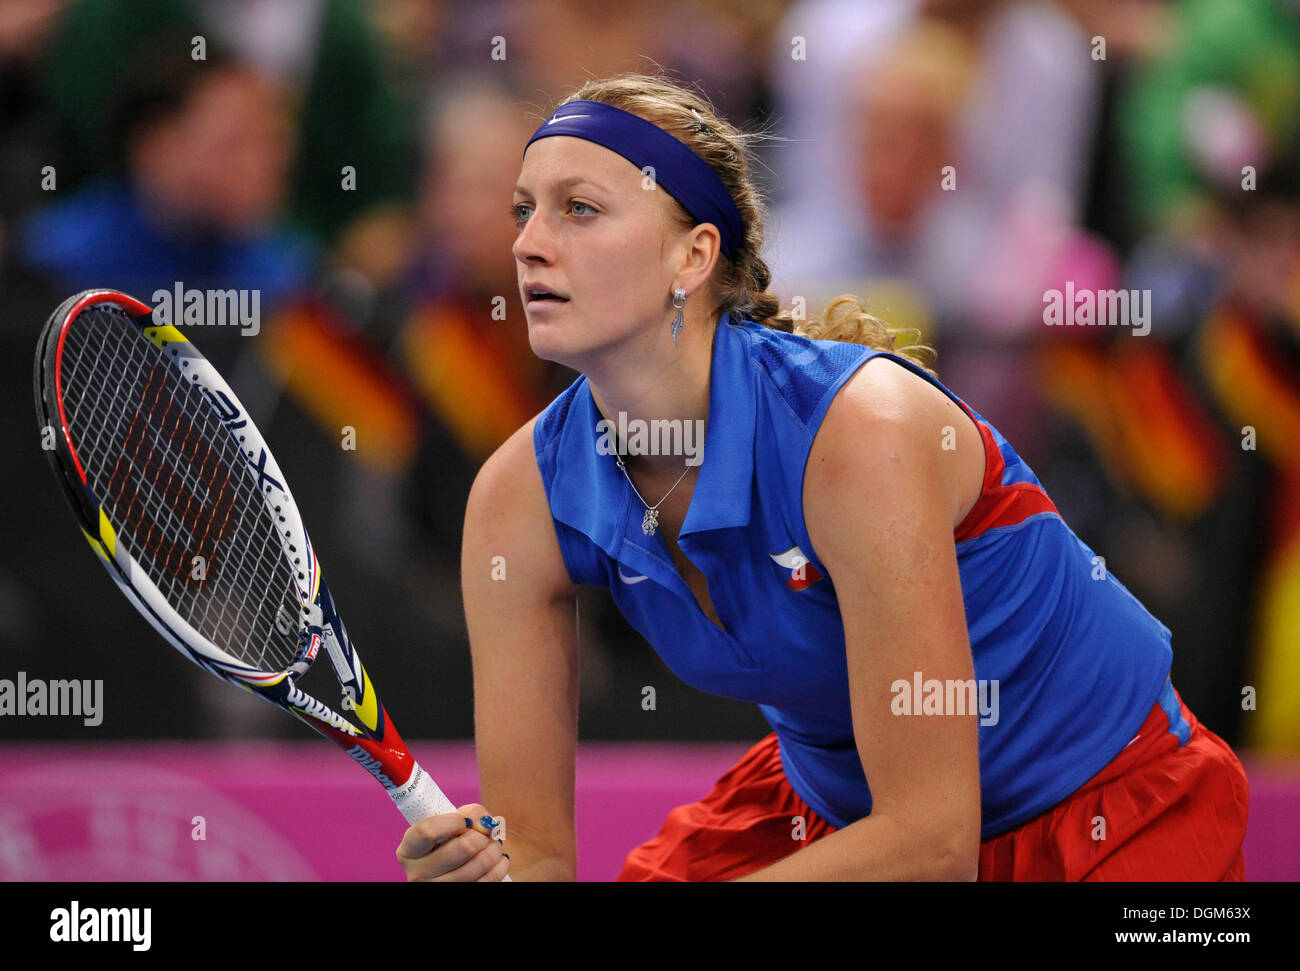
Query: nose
[{"x": 535, "y": 243}]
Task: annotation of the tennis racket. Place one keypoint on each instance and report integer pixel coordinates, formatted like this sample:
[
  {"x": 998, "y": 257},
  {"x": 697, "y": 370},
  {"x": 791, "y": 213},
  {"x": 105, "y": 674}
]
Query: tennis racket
[{"x": 184, "y": 504}]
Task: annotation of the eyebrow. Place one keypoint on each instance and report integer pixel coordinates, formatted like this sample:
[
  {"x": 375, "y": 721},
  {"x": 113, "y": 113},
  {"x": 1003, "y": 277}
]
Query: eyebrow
[{"x": 568, "y": 183}]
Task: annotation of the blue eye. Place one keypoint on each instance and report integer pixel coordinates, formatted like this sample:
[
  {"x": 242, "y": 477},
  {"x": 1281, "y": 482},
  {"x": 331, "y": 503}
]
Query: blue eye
[{"x": 521, "y": 212}]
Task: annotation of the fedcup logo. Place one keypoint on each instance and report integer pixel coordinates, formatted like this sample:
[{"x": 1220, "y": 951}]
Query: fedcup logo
[
  {"x": 211, "y": 308},
  {"x": 658, "y": 436}
]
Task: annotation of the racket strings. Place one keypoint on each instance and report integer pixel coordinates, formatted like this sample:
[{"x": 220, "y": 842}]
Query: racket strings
[
  {"x": 176, "y": 486},
  {"x": 154, "y": 471},
  {"x": 168, "y": 553}
]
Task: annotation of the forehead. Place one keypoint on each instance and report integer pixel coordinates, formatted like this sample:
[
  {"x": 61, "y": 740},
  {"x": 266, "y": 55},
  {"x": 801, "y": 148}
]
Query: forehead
[{"x": 559, "y": 159}]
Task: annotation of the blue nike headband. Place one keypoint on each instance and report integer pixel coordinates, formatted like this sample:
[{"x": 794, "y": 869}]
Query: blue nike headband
[{"x": 682, "y": 174}]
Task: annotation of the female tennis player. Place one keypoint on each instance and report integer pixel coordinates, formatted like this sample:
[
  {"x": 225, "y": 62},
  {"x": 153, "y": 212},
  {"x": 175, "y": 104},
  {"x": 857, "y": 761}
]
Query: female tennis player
[{"x": 958, "y": 688}]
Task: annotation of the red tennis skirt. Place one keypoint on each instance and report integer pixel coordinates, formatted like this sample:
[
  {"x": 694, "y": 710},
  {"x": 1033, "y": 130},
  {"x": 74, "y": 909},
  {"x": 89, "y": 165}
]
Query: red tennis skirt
[{"x": 1171, "y": 812}]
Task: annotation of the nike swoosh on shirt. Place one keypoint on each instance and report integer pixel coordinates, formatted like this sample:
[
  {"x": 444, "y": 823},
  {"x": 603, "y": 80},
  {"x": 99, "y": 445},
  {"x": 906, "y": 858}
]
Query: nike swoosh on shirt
[{"x": 627, "y": 579}]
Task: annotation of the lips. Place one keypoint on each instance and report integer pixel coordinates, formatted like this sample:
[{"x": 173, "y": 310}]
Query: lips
[{"x": 536, "y": 293}]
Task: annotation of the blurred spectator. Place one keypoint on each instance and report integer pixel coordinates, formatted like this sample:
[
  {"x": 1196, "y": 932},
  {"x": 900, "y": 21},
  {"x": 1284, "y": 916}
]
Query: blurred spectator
[
  {"x": 25, "y": 26},
  {"x": 1249, "y": 351},
  {"x": 324, "y": 52},
  {"x": 1181, "y": 460},
  {"x": 546, "y": 48},
  {"x": 414, "y": 35},
  {"x": 465, "y": 341},
  {"x": 943, "y": 179},
  {"x": 1122, "y": 36},
  {"x": 460, "y": 375},
  {"x": 1225, "y": 94},
  {"x": 205, "y": 147},
  {"x": 905, "y": 110},
  {"x": 1003, "y": 92},
  {"x": 1185, "y": 470}
]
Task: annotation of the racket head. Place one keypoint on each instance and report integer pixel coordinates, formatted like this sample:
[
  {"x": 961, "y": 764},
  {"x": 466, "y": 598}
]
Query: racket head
[{"x": 174, "y": 487}]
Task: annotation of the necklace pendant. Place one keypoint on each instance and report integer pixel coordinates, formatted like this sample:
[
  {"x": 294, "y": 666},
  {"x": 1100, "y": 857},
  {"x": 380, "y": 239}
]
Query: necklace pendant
[{"x": 650, "y": 521}]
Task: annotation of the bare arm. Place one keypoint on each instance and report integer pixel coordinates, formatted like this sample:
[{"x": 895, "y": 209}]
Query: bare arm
[
  {"x": 520, "y": 607},
  {"x": 521, "y": 610},
  {"x": 881, "y": 499}
]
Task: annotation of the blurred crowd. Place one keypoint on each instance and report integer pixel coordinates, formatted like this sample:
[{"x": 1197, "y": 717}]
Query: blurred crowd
[{"x": 951, "y": 161}]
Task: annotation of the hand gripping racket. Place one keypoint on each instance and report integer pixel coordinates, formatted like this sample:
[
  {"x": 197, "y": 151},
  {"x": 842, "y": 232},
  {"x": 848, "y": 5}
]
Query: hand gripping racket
[{"x": 181, "y": 499}]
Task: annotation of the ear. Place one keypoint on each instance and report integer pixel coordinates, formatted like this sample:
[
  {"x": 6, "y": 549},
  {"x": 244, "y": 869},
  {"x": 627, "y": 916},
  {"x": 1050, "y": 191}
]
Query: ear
[{"x": 701, "y": 250}]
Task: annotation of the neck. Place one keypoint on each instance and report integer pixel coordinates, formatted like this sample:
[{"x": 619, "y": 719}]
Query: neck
[{"x": 663, "y": 384}]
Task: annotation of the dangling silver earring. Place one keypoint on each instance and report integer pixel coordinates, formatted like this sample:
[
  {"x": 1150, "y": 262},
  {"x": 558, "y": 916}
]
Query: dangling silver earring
[{"x": 679, "y": 301}]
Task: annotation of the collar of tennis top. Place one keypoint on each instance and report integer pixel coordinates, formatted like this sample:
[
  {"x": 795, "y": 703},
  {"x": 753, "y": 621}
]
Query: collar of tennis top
[{"x": 590, "y": 493}]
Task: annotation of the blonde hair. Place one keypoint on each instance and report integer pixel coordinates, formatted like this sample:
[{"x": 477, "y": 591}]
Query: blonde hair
[{"x": 742, "y": 283}]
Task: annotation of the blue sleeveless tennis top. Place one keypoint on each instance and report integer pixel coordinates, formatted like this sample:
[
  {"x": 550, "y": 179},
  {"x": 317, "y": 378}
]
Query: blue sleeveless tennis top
[{"x": 1076, "y": 660}]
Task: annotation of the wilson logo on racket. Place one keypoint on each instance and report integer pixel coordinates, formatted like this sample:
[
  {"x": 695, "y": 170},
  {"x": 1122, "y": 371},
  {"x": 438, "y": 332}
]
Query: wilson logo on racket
[
  {"x": 299, "y": 699},
  {"x": 371, "y": 765}
]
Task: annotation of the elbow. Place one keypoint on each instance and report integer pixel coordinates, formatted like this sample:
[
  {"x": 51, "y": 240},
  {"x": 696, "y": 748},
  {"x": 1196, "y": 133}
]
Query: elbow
[
  {"x": 962, "y": 868},
  {"x": 959, "y": 856}
]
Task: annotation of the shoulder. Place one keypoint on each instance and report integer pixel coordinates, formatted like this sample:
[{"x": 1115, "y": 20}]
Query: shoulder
[
  {"x": 508, "y": 514},
  {"x": 510, "y": 473},
  {"x": 885, "y": 391},
  {"x": 889, "y": 430},
  {"x": 801, "y": 371}
]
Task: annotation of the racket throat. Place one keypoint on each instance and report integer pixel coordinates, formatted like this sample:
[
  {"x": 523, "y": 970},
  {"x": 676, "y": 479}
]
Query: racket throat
[
  {"x": 342, "y": 665},
  {"x": 310, "y": 638}
]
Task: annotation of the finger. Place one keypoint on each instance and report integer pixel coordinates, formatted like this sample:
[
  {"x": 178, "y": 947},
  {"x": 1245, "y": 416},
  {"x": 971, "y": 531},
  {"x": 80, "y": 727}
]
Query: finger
[
  {"x": 483, "y": 820},
  {"x": 461, "y": 853},
  {"x": 448, "y": 860},
  {"x": 498, "y": 872},
  {"x": 426, "y": 834},
  {"x": 478, "y": 864}
]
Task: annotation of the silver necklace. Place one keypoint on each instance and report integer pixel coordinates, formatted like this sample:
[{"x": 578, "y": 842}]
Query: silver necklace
[{"x": 650, "y": 521}]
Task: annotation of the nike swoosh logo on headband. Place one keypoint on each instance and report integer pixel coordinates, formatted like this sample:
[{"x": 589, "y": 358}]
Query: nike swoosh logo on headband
[{"x": 552, "y": 121}]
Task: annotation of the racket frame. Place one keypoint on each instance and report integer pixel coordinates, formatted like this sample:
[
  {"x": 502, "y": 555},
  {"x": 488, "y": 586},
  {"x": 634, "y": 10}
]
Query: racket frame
[{"x": 374, "y": 744}]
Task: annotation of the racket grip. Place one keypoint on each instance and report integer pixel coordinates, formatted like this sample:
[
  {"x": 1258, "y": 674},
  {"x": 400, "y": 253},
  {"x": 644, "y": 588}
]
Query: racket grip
[{"x": 421, "y": 798}]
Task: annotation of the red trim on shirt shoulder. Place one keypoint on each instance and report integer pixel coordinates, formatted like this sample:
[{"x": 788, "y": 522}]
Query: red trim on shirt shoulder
[{"x": 998, "y": 504}]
